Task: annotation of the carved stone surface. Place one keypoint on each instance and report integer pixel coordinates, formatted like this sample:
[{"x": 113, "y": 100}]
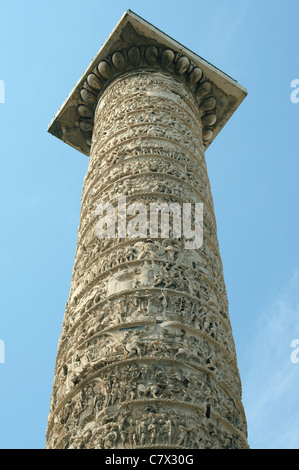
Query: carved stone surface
[
  {"x": 146, "y": 357},
  {"x": 136, "y": 44},
  {"x": 148, "y": 58}
]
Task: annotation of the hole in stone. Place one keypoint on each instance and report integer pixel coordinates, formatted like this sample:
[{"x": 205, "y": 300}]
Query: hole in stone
[{"x": 131, "y": 328}]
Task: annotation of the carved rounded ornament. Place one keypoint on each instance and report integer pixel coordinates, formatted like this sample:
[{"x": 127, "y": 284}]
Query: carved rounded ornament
[{"x": 147, "y": 58}]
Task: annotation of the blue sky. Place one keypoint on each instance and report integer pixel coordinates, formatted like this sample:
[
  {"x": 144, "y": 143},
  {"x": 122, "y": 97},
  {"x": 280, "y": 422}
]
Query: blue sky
[{"x": 253, "y": 167}]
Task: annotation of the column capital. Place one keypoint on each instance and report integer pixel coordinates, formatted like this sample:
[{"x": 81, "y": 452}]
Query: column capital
[{"x": 136, "y": 45}]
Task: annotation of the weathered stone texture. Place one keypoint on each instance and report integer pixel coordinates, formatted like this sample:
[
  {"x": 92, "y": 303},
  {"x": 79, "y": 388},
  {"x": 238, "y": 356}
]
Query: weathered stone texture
[{"x": 146, "y": 356}]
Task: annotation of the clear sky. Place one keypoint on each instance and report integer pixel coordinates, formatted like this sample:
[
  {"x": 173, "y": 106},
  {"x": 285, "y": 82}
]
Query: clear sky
[{"x": 253, "y": 167}]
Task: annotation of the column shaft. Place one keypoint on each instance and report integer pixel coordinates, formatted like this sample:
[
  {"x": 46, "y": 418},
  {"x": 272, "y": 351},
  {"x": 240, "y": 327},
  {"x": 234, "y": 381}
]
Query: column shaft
[{"x": 146, "y": 356}]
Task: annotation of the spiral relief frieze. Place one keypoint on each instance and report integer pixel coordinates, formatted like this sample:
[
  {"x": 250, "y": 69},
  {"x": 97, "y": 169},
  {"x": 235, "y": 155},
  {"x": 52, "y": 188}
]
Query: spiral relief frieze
[{"x": 146, "y": 357}]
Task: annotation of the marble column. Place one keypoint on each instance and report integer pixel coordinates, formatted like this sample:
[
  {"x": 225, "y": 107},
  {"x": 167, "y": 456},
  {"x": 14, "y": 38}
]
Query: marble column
[{"x": 146, "y": 357}]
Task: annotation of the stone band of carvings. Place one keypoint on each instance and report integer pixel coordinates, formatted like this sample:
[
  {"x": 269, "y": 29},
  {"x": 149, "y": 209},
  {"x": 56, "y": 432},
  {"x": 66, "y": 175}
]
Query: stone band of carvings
[
  {"x": 147, "y": 58},
  {"x": 217, "y": 413},
  {"x": 213, "y": 422}
]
